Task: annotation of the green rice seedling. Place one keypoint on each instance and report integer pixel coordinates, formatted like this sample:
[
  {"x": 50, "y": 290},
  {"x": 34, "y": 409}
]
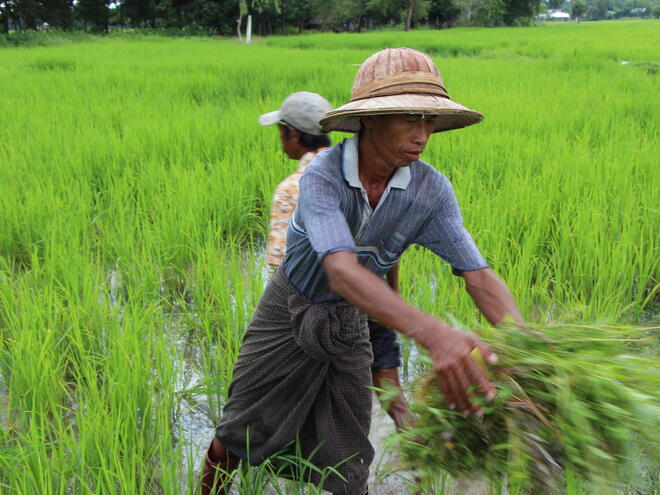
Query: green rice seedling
[
  {"x": 276, "y": 473},
  {"x": 629, "y": 40},
  {"x": 572, "y": 399},
  {"x": 226, "y": 287}
]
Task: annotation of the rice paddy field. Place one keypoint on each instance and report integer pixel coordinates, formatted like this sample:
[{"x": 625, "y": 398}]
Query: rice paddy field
[{"x": 135, "y": 185}]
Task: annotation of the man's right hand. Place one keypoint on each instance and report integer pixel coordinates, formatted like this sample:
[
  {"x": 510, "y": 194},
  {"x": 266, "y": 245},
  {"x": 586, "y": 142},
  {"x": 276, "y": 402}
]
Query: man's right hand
[{"x": 457, "y": 372}]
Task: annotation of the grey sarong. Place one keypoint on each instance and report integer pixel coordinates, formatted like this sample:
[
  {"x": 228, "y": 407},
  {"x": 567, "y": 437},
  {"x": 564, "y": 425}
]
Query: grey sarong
[{"x": 303, "y": 375}]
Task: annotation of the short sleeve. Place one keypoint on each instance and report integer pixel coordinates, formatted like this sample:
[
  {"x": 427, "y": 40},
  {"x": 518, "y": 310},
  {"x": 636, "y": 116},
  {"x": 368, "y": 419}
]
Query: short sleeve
[
  {"x": 445, "y": 235},
  {"x": 319, "y": 216}
]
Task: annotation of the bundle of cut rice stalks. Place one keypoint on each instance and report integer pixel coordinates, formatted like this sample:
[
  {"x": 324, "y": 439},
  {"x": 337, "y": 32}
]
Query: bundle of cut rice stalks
[{"x": 579, "y": 399}]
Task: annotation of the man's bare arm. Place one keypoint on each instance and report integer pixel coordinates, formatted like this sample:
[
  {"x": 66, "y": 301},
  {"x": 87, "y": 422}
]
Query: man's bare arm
[
  {"x": 491, "y": 296},
  {"x": 448, "y": 347}
]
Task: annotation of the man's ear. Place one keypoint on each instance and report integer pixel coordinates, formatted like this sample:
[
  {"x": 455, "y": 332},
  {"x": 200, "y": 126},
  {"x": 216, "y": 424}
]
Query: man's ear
[{"x": 294, "y": 134}]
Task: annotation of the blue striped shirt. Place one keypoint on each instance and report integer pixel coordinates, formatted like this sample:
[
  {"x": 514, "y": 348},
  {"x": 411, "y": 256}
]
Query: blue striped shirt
[{"x": 333, "y": 214}]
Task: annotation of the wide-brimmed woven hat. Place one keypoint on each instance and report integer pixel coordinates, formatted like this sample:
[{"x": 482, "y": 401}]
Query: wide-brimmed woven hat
[{"x": 399, "y": 81}]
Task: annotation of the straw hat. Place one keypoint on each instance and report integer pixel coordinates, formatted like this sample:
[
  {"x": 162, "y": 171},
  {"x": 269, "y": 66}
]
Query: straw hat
[{"x": 399, "y": 81}]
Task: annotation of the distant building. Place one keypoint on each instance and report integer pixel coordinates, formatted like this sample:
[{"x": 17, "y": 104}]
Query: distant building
[
  {"x": 640, "y": 12},
  {"x": 559, "y": 15},
  {"x": 554, "y": 15}
]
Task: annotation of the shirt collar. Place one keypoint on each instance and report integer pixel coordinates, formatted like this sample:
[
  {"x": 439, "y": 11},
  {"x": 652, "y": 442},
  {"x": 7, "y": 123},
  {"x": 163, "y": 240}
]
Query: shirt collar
[{"x": 350, "y": 160}]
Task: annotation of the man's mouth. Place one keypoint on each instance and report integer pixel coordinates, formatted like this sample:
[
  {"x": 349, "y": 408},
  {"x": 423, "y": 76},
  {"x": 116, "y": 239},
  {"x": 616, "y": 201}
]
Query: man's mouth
[{"x": 412, "y": 155}]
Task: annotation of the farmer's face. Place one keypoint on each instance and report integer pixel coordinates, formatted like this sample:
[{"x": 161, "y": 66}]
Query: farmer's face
[
  {"x": 290, "y": 144},
  {"x": 399, "y": 139}
]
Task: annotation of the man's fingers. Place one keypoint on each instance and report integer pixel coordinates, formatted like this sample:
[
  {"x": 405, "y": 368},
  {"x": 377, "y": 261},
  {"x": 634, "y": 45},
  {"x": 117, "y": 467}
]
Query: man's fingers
[
  {"x": 486, "y": 353},
  {"x": 458, "y": 394},
  {"x": 478, "y": 377},
  {"x": 448, "y": 387},
  {"x": 447, "y": 392},
  {"x": 463, "y": 384}
]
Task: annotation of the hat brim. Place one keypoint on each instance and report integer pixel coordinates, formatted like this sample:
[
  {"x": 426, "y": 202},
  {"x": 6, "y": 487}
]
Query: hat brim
[
  {"x": 270, "y": 118},
  {"x": 454, "y": 115}
]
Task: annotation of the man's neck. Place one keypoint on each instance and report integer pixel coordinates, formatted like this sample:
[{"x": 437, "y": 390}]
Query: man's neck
[{"x": 372, "y": 169}]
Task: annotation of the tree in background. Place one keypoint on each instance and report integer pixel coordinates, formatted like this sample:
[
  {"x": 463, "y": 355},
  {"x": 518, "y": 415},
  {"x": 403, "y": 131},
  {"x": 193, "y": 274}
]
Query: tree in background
[
  {"x": 418, "y": 10},
  {"x": 58, "y": 13},
  {"x": 227, "y": 17},
  {"x": 258, "y": 9},
  {"x": 5, "y": 15},
  {"x": 597, "y": 9},
  {"x": 299, "y": 13},
  {"x": 578, "y": 9},
  {"x": 482, "y": 12},
  {"x": 27, "y": 14},
  {"x": 520, "y": 12},
  {"x": 384, "y": 12},
  {"x": 218, "y": 17},
  {"x": 94, "y": 15},
  {"x": 138, "y": 13},
  {"x": 242, "y": 12},
  {"x": 347, "y": 15},
  {"x": 36, "y": 14},
  {"x": 443, "y": 13},
  {"x": 655, "y": 10},
  {"x": 490, "y": 13}
]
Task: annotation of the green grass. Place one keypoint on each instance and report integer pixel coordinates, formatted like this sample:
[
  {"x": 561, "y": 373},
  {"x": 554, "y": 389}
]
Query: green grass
[
  {"x": 621, "y": 40},
  {"x": 135, "y": 185}
]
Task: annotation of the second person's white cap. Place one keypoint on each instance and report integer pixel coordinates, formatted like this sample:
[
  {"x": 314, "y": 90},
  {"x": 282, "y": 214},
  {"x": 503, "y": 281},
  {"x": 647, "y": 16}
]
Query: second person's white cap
[{"x": 301, "y": 110}]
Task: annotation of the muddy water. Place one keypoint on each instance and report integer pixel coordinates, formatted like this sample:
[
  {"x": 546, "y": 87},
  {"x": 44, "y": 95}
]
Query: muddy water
[{"x": 385, "y": 478}]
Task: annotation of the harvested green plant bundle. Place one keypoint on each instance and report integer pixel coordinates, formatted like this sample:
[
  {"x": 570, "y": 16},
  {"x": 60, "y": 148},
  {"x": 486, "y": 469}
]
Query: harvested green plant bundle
[{"x": 578, "y": 398}]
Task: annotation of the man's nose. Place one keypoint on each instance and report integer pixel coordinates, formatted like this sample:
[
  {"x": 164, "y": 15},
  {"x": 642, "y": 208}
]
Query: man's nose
[{"x": 422, "y": 131}]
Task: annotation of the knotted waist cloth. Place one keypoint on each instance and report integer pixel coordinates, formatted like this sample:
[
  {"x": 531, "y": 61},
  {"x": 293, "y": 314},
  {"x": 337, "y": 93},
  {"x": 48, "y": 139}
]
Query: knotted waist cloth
[{"x": 301, "y": 386}]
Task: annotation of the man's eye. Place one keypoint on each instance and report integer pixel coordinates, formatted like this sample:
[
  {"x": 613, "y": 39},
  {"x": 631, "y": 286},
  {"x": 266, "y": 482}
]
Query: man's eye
[{"x": 412, "y": 118}]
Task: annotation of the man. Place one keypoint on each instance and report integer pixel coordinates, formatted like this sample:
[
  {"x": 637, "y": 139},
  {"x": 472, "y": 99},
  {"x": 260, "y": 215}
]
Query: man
[
  {"x": 302, "y": 375},
  {"x": 302, "y": 138}
]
